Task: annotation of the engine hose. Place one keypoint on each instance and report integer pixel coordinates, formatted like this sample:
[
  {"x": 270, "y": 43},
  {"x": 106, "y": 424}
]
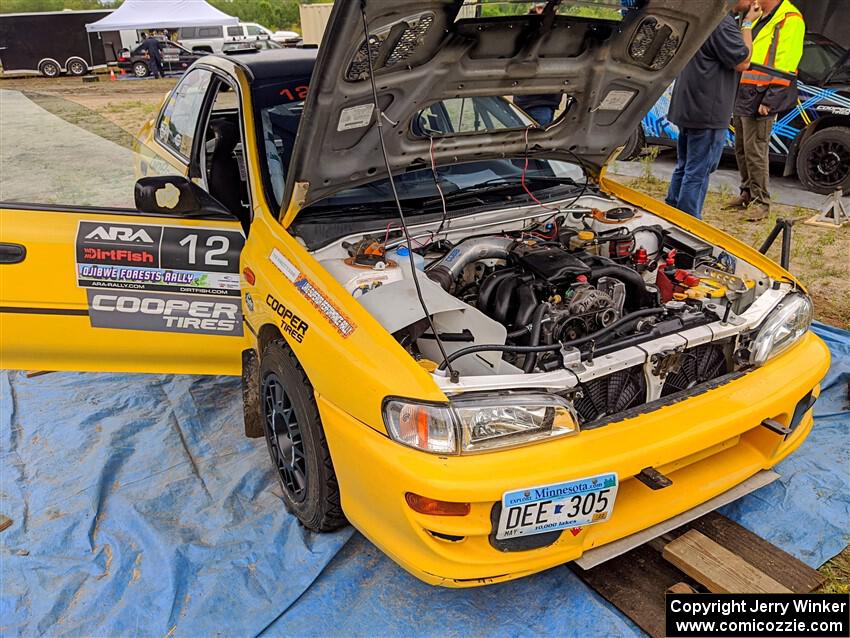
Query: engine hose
[
  {"x": 447, "y": 270},
  {"x": 516, "y": 334},
  {"x": 536, "y": 323},
  {"x": 613, "y": 335},
  {"x": 637, "y": 295},
  {"x": 496, "y": 347},
  {"x": 488, "y": 287}
]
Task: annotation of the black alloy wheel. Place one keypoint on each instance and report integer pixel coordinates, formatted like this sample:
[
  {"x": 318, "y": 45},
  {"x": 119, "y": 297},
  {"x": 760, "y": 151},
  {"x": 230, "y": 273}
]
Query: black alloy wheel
[
  {"x": 823, "y": 164},
  {"x": 283, "y": 436},
  {"x": 296, "y": 440}
]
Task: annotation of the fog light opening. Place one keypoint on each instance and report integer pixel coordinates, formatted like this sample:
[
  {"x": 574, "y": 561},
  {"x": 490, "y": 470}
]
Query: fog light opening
[{"x": 433, "y": 507}]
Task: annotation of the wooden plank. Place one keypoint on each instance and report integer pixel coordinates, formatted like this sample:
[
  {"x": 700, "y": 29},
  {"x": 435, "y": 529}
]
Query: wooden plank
[
  {"x": 779, "y": 565},
  {"x": 635, "y": 583},
  {"x": 721, "y": 571},
  {"x": 599, "y": 555}
]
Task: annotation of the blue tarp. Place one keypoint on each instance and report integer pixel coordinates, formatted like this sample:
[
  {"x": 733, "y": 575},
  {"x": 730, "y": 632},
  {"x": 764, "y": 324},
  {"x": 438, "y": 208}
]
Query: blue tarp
[{"x": 139, "y": 509}]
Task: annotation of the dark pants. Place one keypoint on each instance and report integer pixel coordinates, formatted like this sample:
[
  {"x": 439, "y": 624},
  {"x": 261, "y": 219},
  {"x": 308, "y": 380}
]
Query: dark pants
[
  {"x": 752, "y": 148},
  {"x": 155, "y": 67},
  {"x": 698, "y": 154},
  {"x": 542, "y": 114}
]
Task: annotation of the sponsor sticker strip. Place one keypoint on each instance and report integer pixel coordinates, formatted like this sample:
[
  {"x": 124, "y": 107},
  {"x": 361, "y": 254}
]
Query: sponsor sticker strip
[
  {"x": 164, "y": 280},
  {"x": 306, "y": 287}
]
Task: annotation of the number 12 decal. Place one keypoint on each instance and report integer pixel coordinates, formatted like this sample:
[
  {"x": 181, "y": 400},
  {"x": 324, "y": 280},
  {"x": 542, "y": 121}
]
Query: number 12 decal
[
  {"x": 206, "y": 249},
  {"x": 209, "y": 256},
  {"x": 297, "y": 94}
]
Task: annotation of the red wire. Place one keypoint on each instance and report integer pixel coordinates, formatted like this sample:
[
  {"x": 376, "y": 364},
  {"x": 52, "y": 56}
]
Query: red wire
[
  {"x": 522, "y": 178},
  {"x": 387, "y": 236}
]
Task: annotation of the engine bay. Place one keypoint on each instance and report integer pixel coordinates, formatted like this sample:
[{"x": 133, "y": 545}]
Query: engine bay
[{"x": 610, "y": 305}]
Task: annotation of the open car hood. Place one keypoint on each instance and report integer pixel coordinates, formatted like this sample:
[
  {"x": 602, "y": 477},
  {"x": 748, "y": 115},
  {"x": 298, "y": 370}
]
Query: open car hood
[{"x": 425, "y": 51}]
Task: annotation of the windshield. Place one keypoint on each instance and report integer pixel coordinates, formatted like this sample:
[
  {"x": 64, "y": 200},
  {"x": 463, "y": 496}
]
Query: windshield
[
  {"x": 462, "y": 185},
  {"x": 820, "y": 57},
  {"x": 279, "y": 108}
]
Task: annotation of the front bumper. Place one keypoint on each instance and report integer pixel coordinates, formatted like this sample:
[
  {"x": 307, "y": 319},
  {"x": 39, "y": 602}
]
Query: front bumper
[{"x": 706, "y": 444}]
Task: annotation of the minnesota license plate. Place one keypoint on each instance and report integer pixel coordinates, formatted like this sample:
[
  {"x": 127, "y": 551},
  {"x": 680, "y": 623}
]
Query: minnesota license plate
[{"x": 548, "y": 508}]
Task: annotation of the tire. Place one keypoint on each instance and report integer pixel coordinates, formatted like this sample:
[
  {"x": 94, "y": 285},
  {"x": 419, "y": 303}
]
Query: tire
[
  {"x": 823, "y": 163},
  {"x": 77, "y": 68},
  {"x": 141, "y": 70},
  {"x": 49, "y": 69},
  {"x": 634, "y": 145},
  {"x": 296, "y": 441}
]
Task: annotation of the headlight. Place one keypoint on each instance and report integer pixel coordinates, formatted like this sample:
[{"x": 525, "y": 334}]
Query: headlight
[
  {"x": 783, "y": 327},
  {"x": 477, "y": 423}
]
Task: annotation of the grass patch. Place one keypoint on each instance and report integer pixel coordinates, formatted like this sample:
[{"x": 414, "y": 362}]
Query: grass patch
[
  {"x": 83, "y": 117},
  {"x": 837, "y": 572},
  {"x": 130, "y": 105}
]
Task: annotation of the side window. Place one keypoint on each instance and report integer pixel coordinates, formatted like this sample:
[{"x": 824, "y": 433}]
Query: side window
[
  {"x": 253, "y": 29},
  {"x": 234, "y": 31},
  {"x": 189, "y": 33},
  {"x": 209, "y": 32},
  {"x": 179, "y": 119},
  {"x": 817, "y": 61}
]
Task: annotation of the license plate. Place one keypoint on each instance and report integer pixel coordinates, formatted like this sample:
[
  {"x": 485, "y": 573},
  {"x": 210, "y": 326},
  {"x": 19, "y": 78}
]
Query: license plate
[{"x": 549, "y": 508}]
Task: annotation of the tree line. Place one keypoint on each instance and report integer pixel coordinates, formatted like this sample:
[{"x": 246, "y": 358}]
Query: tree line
[
  {"x": 283, "y": 14},
  {"x": 274, "y": 14}
]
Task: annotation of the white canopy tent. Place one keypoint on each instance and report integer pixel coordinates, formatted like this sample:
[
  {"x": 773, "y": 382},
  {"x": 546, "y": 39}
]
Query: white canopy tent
[{"x": 161, "y": 14}]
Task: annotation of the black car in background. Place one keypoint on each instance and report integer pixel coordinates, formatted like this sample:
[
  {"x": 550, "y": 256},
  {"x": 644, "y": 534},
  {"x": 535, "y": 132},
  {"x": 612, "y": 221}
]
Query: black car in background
[{"x": 175, "y": 59}]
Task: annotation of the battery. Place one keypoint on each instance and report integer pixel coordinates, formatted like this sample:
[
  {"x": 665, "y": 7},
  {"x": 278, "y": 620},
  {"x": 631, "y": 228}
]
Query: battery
[{"x": 689, "y": 249}]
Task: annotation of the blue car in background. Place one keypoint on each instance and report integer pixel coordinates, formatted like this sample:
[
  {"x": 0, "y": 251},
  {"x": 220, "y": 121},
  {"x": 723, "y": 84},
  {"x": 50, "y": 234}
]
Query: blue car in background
[{"x": 812, "y": 140}]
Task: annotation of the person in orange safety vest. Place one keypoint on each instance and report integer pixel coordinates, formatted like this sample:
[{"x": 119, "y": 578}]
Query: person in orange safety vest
[{"x": 768, "y": 87}]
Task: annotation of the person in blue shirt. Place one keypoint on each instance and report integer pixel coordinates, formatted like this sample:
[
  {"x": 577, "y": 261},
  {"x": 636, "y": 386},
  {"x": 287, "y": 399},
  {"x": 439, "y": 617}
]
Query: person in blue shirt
[{"x": 701, "y": 106}]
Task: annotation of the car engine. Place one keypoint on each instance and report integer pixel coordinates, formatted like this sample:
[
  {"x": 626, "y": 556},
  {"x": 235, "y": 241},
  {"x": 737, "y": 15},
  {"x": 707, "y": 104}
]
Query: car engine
[
  {"x": 551, "y": 292},
  {"x": 560, "y": 297}
]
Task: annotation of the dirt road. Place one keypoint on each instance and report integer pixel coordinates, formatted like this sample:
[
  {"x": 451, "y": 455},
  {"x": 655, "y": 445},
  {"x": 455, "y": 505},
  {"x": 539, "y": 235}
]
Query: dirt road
[{"x": 125, "y": 102}]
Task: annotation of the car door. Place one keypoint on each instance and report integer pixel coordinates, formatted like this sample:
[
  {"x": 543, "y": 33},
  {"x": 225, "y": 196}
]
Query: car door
[{"x": 90, "y": 282}]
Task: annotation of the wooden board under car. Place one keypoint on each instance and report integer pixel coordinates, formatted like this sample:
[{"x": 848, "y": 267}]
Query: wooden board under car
[{"x": 635, "y": 582}]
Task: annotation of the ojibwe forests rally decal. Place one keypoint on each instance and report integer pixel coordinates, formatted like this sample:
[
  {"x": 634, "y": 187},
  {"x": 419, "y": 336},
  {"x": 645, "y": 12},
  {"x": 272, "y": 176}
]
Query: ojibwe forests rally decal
[{"x": 160, "y": 278}]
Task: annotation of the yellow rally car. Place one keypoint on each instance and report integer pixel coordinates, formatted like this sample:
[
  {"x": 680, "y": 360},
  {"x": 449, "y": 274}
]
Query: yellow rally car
[{"x": 549, "y": 363}]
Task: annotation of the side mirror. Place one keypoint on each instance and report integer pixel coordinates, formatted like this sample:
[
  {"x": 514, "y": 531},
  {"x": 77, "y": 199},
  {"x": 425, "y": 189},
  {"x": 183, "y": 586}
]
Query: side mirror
[{"x": 178, "y": 196}]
